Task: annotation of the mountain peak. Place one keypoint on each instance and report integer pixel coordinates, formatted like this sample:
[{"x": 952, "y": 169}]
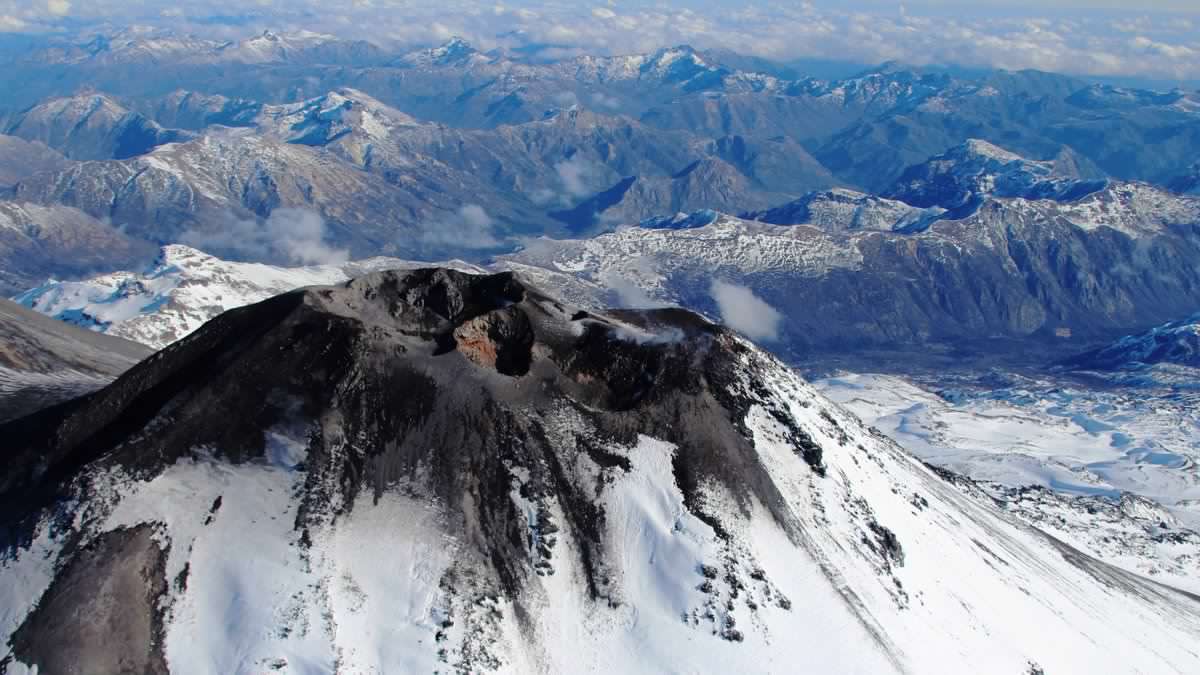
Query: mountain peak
[
  {"x": 453, "y": 51},
  {"x": 1175, "y": 343},
  {"x": 982, "y": 148},
  {"x": 537, "y": 466},
  {"x": 962, "y": 176}
]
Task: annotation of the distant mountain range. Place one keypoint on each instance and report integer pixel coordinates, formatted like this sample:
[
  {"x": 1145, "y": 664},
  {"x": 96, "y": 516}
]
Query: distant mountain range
[
  {"x": 1065, "y": 266},
  {"x": 1173, "y": 343},
  {"x": 957, "y": 208},
  {"x": 864, "y": 129},
  {"x": 559, "y": 443}
]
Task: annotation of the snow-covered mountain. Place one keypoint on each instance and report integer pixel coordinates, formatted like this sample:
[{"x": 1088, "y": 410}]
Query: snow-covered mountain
[
  {"x": 1173, "y": 343},
  {"x": 865, "y": 129},
  {"x": 454, "y": 52},
  {"x": 38, "y": 241},
  {"x": 445, "y": 471},
  {"x": 388, "y": 183},
  {"x": 963, "y": 176},
  {"x": 849, "y": 270},
  {"x": 44, "y": 362},
  {"x": 153, "y": 48},
  {"x": 1112, "y": 470},
  {"x": 843, "y": 210},
  {"x": 181, "y": 290},
  {"x": 226, "y": 176},
  {"x": 325, "y": 119},
  {"x": 91, "y": 126}
]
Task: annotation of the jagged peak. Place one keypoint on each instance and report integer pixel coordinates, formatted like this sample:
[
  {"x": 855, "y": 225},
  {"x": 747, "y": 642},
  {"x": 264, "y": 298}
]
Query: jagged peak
[{"x": 454, "y": 49}]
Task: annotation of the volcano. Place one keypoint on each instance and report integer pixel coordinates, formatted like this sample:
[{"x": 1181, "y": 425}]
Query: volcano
[{"x": 433, "y": 471}]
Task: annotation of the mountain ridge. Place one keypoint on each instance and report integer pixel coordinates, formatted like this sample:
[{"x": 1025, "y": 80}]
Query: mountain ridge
[{"x": 663, "y": 468}]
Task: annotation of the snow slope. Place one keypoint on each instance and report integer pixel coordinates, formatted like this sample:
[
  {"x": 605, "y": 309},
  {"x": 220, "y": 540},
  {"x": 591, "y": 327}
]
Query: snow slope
[
  {"x": 604, "y": 507},
  {"x": 1175, "y": 343},
  {"x": 1113, "y": 471},
  {"x": 181, "y": 290}
]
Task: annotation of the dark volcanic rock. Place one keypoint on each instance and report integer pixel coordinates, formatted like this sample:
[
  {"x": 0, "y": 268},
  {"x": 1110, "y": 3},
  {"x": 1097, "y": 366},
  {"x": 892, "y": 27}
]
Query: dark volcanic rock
[
  {"x": 432, "y": 377},
  {"x": 472, "y": 455},
  {"x": 102, "y": 613}
]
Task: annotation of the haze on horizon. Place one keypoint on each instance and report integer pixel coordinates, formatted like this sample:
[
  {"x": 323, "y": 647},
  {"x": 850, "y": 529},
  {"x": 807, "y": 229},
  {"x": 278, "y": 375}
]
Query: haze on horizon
[{"x": 1160, "y": 41}]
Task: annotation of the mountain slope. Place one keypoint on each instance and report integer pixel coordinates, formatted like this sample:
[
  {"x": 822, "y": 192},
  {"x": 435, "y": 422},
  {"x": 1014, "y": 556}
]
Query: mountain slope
[
  {"x": 208, "y": 185},
  {"x": 636, "y": 491},
  {"x": 180, "y": 291},
  {"x": 978, "y": 169},
  {"x": 20, "y": 158},
  {"x": 38, "y": 241},
  {"x": 43, "y": 361},
  {"x": 91, "y": 126},
  {"x": 862, "y": 273},
  {"x": 388, "y": 183},
  {"x": 1173, "y": 343},
  {"x": 1109, "y": 469}
]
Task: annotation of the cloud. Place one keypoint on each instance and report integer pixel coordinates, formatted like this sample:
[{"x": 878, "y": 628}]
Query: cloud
[
  {"x": 605, "y": 101},
  {"x": 1090, "y": 38},
  {"x": 474, "y": 216},
  {"x": 745, "y": 312},
  {"x": 288, "y": 235},
  {"x": 580, "y": 177},
  {"x": 566, "y": 99},
  {"x": 629, "y": 294},
  {"x": 11, "y": 24},
  {"x": 470, "y": 228}
]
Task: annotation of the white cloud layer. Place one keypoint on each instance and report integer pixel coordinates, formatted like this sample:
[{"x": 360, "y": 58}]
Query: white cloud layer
[
  {"x": 471, "y": 228},
  {"x": 745, "y": 312},
  {"x": 1160, "y": 39},
  {"x": 289, "y": 235}
]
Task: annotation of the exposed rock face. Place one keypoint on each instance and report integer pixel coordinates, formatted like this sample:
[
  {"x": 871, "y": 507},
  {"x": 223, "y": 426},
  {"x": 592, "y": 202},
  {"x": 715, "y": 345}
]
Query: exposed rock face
[
  {"x": 433, "y": 470},
  {"x": 102, "y": 613}
]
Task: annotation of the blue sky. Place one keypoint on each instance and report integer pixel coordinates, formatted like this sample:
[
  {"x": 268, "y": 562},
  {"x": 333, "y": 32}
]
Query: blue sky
[{"x": 1160, "y": 40}]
